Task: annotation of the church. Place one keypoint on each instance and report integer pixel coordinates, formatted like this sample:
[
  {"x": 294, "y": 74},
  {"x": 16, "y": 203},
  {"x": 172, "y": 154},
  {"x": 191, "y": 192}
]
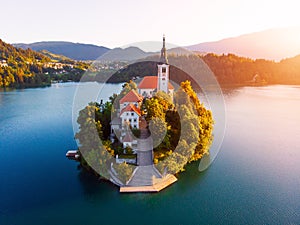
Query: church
[
  {"x": 151, "y": 84},
  {"x": 145, "y": 176},
  {"x": 129, "y": 113}
]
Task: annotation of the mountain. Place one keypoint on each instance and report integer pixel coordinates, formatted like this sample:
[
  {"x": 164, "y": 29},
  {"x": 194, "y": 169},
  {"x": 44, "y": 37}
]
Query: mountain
[
  {"x": 126, "y": 54},
  {"x": 71, "y": 50},
  {"x": 55, "y": 57},
  {"x": 68, "y": 50},
  {"x": 273, "y": 44},
  {"x": 135, "y": 53}
]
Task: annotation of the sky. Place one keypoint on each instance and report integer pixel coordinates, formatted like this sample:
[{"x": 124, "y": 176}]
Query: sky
[{"x": 116, "y": 23}]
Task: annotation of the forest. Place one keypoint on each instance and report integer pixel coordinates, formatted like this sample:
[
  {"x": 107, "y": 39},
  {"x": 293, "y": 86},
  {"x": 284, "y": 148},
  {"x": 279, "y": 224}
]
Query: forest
[
  {"x": 21, "y": 68},
  {"x": 229, "y": 69},
  {"x": 186, "y": 123},
  {"x": 27, "y": 68}
]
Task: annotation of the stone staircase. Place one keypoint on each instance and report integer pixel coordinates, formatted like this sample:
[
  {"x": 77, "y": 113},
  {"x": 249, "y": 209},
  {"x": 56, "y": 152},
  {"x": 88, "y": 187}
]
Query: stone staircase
[
  {"x": 144, "y": 176},
  {"x": 145, "y": 149}
]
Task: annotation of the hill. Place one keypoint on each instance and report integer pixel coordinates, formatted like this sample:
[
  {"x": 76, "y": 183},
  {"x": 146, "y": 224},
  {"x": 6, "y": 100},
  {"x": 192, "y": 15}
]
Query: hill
[
  {"x": 55, "y": 57},
  {"x": 126, "y": 54},
  {"x": 75, "y": 51},
  {"x": 229, "y": 69},
  {"x": 21, "y": 68},
  {"x": 273, "y": 44}
]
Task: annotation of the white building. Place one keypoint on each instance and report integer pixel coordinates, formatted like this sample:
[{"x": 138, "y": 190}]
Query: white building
[
  {"x": 130, "y": 116},
  {"x": 151, "y": 84},
  {"x": 129, "y": 141}
]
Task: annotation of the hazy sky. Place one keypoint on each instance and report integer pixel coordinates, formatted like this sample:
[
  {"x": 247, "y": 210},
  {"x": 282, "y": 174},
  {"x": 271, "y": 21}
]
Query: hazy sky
[{"x": 116, "y": 23}]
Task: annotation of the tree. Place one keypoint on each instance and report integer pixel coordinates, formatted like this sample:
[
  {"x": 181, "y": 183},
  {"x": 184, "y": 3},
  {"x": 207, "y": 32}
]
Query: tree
[
  {"x": 95, "y": 154},
  {"x": 104, "y": 116},
  {"x": 172, "y": 119},
  {"x": 154, "y": 109},
  {"x": 124, "y": 171},
  {"x": 158, "y": 128},
  {"x": 127, "y": 87},
  {"x": 195, "y": 130},
  {"x": 165, "y": 100},
  {"x": 204, "y": 117},
  {"x": 189, "y": 125},
  {"x": 173, "y": 164}
]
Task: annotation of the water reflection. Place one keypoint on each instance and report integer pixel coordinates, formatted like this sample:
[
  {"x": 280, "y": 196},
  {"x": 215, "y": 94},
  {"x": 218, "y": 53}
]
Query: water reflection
[{"x": 254, "y": 179}]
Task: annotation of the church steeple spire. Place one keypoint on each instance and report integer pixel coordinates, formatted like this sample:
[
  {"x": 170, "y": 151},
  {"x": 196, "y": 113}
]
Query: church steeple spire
[
  {"x": 163, "y": 70},
  {"x": 163, "y": 53}
]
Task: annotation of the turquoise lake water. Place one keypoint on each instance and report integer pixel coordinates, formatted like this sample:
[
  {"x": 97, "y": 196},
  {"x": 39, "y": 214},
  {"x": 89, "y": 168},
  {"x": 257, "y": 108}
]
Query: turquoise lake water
[{"x": 255, "y": 178}]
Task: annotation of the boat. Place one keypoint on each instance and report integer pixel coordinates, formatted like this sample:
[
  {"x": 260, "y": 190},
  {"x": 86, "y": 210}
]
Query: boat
[{"x": 73, "y": 154}]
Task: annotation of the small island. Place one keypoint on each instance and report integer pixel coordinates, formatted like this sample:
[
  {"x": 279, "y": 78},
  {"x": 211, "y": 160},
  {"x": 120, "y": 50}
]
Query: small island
[{"x": 141, "y": 138}]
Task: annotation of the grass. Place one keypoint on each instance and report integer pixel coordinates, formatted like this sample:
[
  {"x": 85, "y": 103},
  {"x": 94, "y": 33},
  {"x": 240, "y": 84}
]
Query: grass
[{"x": 127, "y": 156}]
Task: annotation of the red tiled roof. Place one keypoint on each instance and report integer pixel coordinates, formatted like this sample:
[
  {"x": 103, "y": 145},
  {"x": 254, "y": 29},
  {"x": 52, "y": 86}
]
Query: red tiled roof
[
  {"x": 131, "y": 108},
  {"x": 131, "y": 96},
  {"x": 150, "y": 82}
]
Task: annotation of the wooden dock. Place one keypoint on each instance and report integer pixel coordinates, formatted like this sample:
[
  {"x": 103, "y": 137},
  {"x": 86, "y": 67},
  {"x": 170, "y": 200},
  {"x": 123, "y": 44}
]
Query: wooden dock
[{"x": 158, "y": 185}]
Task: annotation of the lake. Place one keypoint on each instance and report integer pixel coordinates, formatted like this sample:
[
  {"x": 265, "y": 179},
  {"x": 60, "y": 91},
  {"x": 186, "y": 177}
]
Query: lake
[{"x": 255, "y": 178}]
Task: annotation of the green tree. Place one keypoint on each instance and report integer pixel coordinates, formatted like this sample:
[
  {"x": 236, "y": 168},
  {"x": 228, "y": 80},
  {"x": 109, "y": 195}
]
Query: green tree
[
  {"x": 95, "y": 154},
  {"x": 104, "y": 116},
  {"x": 159, "y": 133},
  {"x": 172, "y": 164},
  {"x": 124, "y": 171},
  {"x": 204, "y": 117},
  {"x": 154, "y": 109},
  {"x": 165, "y": 100}
]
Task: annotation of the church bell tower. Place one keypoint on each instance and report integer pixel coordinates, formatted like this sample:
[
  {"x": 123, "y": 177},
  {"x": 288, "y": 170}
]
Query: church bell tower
[{"x": 163, "y": 70}]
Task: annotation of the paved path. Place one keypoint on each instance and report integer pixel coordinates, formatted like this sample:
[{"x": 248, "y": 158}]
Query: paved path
[
  {"x": 146, "y": 178},
  {"x": 145, "y": 149}
]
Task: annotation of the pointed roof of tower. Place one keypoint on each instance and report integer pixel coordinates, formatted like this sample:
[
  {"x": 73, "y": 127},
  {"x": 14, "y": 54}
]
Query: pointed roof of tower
[{"x": 163, "y": 53}]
